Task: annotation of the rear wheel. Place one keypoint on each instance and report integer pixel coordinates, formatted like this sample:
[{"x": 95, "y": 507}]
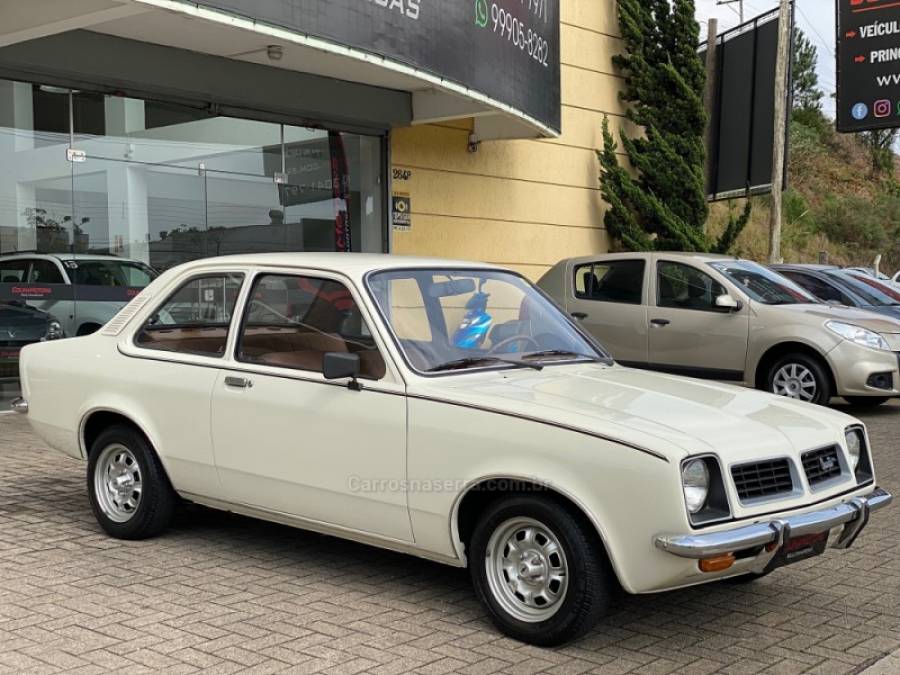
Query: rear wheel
[
  {"x": 130, "y": 493},
  {"x": 539, "y": 570},
  {"x": 867, "y": 401},
  {"x": 800, "y": 377}
]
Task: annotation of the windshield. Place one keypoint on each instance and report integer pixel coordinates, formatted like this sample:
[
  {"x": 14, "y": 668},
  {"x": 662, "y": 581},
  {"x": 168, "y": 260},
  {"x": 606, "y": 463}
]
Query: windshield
[
  {"x": 124, "y": 273},
  {"x": 449, "y": 320},
  {"x": 763, "y": 285},
  {"x": 873, "y": 291}
]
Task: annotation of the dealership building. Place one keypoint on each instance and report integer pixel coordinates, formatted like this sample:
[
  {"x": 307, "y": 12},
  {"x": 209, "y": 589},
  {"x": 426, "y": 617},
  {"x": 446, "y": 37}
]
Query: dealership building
[{"x": 163, "y": 131}]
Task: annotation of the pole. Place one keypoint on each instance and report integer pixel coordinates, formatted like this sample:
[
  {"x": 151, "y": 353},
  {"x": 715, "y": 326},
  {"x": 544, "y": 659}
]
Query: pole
[
  {"x": 712, "y": 34},
  {"x": 779, "y": 151}
]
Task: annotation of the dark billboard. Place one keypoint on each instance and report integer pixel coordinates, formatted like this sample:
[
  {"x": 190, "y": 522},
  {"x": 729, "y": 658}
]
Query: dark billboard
[
  {"x": 742, "y": 119},
  {"x": 507, "y": 50},
  {"x": 868, "y": 69}
]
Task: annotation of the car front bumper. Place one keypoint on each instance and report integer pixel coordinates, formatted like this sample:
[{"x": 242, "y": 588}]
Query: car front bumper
[{"x": 853, "y": 515}]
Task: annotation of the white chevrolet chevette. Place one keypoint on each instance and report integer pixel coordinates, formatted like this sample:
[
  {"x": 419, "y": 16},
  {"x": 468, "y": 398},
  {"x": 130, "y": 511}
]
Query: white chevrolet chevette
[{"x": 449, "y": 410}]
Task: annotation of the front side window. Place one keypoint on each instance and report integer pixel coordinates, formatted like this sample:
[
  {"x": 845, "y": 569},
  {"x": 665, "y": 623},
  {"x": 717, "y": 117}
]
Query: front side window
[
  {"x": 13, "y": 271},
  {"x": 195, "y": 319},
  {"x": 293, "y": 321},
  {"x": 620, "y": 281},
  {"x": 450, "y": 320},
  {"x": 685, "y": 287},
  {"x": 823, "y": 290},
  {"x": 763, "y": 285}
]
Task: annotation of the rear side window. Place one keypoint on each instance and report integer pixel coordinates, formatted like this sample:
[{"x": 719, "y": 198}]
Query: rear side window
[
  {"x": 195, "y": 319},
  {"x": 293, "y": 321},
  {"x": 44, "y": 272},
  {"x": 620, "y": 281}
]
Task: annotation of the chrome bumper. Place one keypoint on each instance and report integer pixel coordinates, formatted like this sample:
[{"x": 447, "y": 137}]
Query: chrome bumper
[
  {"x": 20, "y": 405},
  {"x": 854, "y": 514}
]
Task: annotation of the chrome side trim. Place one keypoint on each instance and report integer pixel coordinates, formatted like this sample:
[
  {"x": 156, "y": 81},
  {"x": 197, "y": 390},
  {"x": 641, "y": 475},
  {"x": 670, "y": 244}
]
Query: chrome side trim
[
  {"x": 855, "y": 513},
  {"x": 19, "y": 405}
]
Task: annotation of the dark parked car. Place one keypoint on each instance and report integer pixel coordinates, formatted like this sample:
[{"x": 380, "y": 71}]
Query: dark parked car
[
  {"x": 845, "y": 287},
  {"x": 21, "y": 325}
]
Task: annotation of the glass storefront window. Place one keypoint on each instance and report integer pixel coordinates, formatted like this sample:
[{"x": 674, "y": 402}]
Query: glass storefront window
[{"x": 162, "y": 184}]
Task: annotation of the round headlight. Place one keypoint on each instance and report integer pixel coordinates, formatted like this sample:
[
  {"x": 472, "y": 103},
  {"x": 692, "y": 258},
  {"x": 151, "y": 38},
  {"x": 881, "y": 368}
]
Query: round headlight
[
  {"x": 695, "y": 479},
  {"x": 854, "y": 446},
  {"x": 54, "y": 330}
]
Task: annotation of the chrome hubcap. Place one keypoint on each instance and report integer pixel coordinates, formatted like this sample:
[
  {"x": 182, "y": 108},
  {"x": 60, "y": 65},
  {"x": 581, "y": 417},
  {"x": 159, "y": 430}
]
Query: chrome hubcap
[
  {"x": 795, "y": 381},
  {"x": 526, "y": 569},
  {"x": 117, "y": 483}
]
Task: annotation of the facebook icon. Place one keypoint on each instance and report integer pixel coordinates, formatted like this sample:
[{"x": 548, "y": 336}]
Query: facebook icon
[{"x": 860, "y": 111}]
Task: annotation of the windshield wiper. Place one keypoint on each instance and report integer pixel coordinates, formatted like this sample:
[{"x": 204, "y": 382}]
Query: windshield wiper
[
  {"x": 562, "y": 352},
  {"x": 473, "y": 361}
]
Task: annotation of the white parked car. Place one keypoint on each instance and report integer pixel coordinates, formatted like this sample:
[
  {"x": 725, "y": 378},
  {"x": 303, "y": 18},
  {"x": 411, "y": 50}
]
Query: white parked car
[{"x": 449, "y": 410}]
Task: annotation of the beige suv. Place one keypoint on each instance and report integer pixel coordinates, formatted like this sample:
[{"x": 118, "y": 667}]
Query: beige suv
[{"x": 727, "y": 319}]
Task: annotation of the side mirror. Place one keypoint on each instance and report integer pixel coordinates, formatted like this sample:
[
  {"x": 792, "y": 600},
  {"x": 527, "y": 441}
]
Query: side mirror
[
  {"x": 726, "y": 302},
  {"x": 341, "y": 365}
]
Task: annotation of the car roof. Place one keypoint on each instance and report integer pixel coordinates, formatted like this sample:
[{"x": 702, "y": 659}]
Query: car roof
[
  {"x": 353, "y": 263},
  {"x": 645, "y": 255},
  {"x": 64, "y": 256},
  {"x": 805, "y": 266}
]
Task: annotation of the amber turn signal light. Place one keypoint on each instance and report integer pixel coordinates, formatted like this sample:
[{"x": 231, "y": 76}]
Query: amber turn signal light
[{"x": 718, "y": 564}]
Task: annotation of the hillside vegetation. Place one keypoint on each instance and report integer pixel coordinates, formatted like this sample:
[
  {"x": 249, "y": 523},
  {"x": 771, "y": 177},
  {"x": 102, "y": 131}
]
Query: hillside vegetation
[{"x": 839, "y": 202}]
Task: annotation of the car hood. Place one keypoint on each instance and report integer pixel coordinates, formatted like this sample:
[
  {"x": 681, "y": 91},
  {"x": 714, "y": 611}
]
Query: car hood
[
  {"x": 880, "y": 323},
  {"x": 667, "y": 415}
]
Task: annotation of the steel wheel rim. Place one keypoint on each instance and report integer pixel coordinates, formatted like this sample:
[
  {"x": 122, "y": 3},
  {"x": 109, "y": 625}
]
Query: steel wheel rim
[
  {"x": 527, "y": 570},
  {"x": 118, "y": 483},
  {"x": 795, "y": 380}
]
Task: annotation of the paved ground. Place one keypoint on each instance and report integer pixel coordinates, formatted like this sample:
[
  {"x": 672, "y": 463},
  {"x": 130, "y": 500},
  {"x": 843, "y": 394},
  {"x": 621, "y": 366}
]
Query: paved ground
[{"x": 226, "y": 594}]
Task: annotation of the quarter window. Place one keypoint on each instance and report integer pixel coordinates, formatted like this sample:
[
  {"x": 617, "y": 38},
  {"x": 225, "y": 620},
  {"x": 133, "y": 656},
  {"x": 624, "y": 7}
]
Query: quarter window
[
  {"x": 619, "y": 281},
  {"x": 685, "y": 287},
  {"x": 293, "y": 321},
  {"x": 195, "y": 319}
]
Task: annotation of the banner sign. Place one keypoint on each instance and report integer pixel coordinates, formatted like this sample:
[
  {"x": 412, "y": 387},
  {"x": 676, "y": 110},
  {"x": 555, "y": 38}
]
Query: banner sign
[
  {"x": 868, "y": 71},
  {"x": 34, "y": 293},
  {"x": 507, "y": 50}
]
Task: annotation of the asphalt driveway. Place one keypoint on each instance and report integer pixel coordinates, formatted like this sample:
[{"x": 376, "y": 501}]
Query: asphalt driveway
[{"x": 227, "y": 594}]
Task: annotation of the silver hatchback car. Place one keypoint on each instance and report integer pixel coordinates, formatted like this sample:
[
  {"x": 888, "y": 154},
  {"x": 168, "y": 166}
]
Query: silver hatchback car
[{"x": 728, "y": 319}]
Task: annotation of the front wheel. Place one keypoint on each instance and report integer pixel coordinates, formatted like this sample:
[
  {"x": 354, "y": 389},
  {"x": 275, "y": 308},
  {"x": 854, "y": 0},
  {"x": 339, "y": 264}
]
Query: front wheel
[
  {"x": 130, "y": 493},
  {"x": 867, "y": 401},
  {"x": 539, "y": 570},
  {"x": 800, "y": 377}
]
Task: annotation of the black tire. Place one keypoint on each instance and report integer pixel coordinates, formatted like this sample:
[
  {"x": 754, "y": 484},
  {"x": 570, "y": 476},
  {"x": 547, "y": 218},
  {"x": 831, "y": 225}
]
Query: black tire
[
  {"x": 867, "y": 401},
  {"x": 824, "y": 389},
  {"x": 589, "y": 577},
  {"x": 87, "y": 329},
  {"x": 156, "y": 502}
]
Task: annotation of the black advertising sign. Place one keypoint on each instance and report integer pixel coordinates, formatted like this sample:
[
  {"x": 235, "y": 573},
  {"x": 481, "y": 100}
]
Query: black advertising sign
[
  {"x": 868, "y": 81},
  {"x": 507, "y": 50},
  {"x": 742, "y": 119}
]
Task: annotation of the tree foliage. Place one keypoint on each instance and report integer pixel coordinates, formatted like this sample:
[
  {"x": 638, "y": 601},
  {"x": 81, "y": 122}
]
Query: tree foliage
[
  {"x": 659, "y": 201},
  {"x": 805, "y": 79}
]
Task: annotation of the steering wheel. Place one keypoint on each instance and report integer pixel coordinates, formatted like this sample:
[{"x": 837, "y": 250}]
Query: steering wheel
[{"x": 515, "y": 338}]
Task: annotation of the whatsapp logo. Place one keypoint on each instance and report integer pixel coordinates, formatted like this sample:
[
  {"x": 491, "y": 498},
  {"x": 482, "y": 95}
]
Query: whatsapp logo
[{"x": 481, "y": 13}]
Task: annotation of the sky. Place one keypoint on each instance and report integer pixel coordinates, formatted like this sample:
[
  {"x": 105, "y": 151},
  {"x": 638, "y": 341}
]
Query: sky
[{"x": 815, "y": 17}]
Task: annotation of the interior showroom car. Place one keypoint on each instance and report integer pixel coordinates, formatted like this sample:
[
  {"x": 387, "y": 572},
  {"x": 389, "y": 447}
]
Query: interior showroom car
[
  {"x": 732, "y": 320},
  {"x": 82, "y": 291},
  {"x": 450, "y": 410}
]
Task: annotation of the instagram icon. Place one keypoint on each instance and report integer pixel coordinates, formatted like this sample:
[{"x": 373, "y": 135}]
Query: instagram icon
[{"x": 882, "y": 108}]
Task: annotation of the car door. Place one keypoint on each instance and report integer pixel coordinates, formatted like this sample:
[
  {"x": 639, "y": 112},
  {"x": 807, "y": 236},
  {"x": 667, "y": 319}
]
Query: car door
[
  {"x": 289, "y": 441},
  {"x": 608, "y": 297},
  {"x": 689, "y": 334}
]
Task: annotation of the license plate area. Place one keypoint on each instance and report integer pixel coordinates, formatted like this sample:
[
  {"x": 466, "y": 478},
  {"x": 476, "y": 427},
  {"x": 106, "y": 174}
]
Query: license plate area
[{"x": 799, "y": 548}]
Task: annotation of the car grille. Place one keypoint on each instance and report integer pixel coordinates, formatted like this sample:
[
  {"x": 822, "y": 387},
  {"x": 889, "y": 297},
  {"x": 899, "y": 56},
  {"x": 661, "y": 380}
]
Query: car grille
[
  {"x": 821, "y": 465},
  {"x": 762, "y": 479}
]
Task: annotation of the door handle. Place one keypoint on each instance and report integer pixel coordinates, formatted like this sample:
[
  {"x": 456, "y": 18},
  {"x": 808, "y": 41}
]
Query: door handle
[
  {"x": 238, "y": 382},
  {"x": 580, "y": 316},
  {"x": 660, "y": 322}
]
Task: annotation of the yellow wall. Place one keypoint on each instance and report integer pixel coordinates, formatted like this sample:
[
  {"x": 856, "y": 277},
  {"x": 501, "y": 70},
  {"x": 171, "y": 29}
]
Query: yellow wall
[{"x": 524, "y": 204}]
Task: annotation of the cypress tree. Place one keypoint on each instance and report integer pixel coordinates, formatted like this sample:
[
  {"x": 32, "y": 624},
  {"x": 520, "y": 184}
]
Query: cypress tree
[{"x": 659, "y": 203}]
